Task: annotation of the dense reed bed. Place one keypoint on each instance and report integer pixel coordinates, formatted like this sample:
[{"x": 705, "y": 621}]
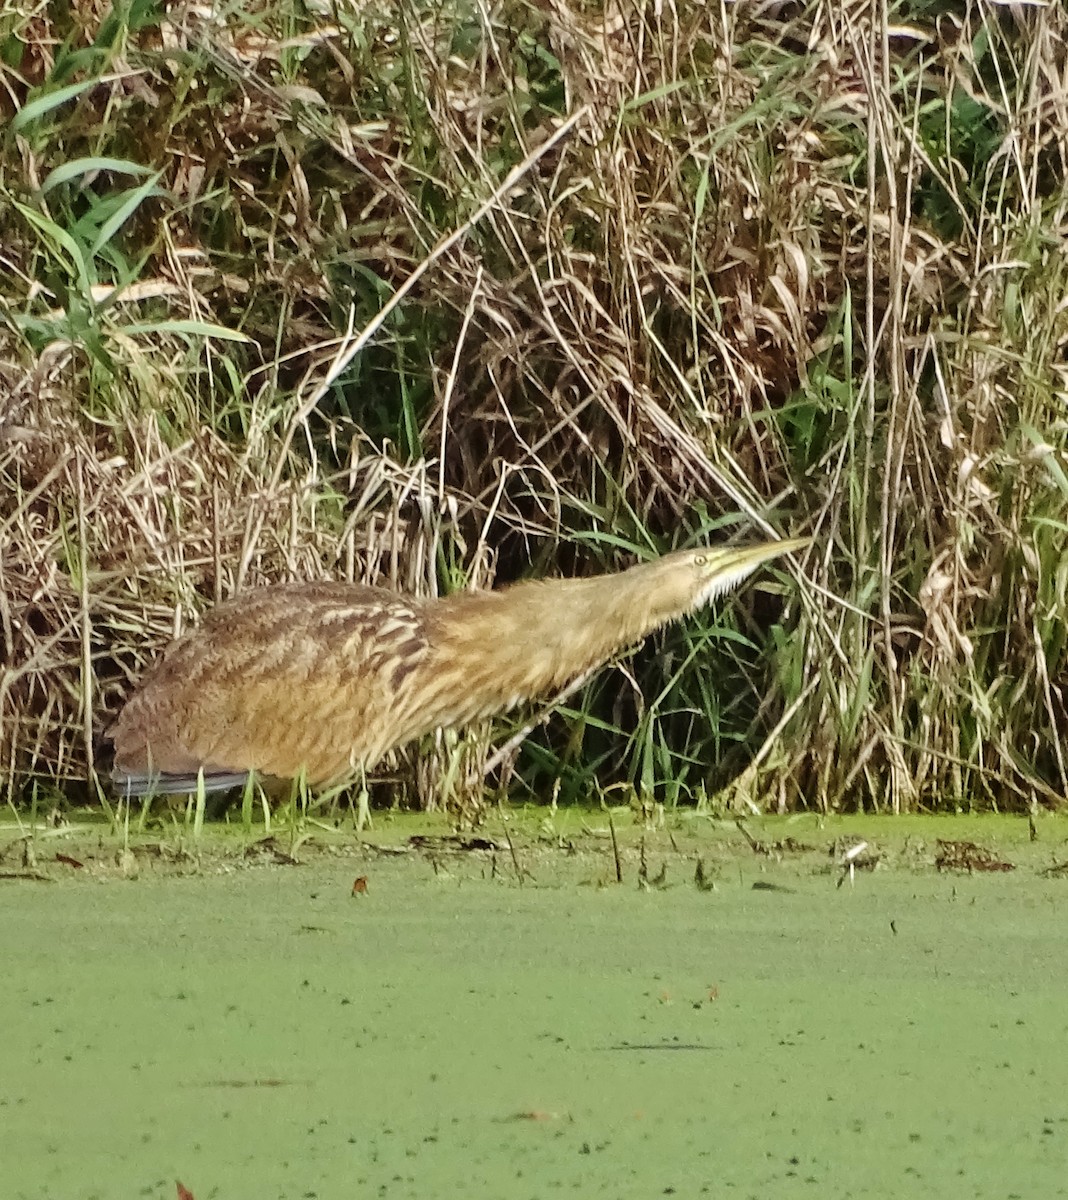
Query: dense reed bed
[{"x": 444, "y": 294}]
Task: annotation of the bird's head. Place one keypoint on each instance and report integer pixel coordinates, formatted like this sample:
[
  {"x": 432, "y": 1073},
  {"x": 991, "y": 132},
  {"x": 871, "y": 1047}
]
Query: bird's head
[{"x": 687, "y": 580}]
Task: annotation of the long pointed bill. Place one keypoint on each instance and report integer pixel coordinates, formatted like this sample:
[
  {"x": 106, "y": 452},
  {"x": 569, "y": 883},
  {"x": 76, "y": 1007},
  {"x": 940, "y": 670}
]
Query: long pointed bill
[{"x": 732, "y": 564}]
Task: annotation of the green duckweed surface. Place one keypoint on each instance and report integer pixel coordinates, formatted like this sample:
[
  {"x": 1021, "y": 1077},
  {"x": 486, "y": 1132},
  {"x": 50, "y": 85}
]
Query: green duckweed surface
[{"x": 265, "y": 1033}]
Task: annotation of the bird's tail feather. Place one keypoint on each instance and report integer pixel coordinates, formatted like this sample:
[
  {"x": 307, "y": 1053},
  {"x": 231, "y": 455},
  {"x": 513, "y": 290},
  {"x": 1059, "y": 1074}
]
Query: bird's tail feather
[{"x": 161, "y": 783}]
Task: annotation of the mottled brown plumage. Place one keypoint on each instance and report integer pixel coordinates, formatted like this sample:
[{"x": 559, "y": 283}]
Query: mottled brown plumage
[{"x": 320, "y": 680}]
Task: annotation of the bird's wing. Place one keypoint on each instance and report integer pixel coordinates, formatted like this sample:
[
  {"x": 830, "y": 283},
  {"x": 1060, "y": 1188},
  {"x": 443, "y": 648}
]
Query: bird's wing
[{"x": 289, "y": 680}]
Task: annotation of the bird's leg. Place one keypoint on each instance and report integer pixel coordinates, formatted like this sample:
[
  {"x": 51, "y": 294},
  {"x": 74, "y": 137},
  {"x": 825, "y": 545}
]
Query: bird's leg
[{"x": 362, "y": 817}]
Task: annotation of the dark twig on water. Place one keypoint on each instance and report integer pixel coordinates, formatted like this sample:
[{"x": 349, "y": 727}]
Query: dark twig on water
[
  {"x": 701, "y": 880},
  {"x": 754, "y": 845}
]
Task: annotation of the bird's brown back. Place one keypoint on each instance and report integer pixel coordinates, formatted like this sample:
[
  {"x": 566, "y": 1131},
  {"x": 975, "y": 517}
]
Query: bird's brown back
[{"x": 298, "y": 676}]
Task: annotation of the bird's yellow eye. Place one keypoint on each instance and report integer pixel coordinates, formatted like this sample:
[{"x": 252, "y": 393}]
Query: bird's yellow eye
[{"x": 700, "y": 561}]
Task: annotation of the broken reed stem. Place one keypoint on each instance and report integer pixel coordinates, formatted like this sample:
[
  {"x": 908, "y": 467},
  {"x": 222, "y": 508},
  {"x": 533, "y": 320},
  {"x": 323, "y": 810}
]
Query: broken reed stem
[
  {"x": 519, "y": 872},
  {"x": 615, "y": 848}
]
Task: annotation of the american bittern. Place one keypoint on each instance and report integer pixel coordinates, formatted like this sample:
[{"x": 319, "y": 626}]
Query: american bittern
[{"x": 319, "y": 680}]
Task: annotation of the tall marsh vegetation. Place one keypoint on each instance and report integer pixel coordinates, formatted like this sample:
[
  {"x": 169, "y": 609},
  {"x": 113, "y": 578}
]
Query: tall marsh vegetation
[{"x": 443, "y": 293}]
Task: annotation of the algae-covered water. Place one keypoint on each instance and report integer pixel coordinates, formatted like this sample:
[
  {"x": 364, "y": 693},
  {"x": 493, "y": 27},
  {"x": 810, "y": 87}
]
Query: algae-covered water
[{"x": 266, "y": 1033}]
